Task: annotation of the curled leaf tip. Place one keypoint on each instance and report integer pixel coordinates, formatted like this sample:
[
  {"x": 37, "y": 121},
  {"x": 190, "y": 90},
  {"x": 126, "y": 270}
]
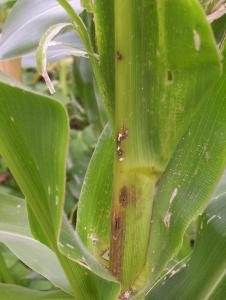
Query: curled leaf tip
[{"x": 49, "y": 83}]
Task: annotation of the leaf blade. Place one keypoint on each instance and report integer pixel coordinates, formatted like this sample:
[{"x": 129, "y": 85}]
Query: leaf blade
[
  {"x": 93, "y": 224},
  {"x": 16, "y": 235},
  {"x": 10, "y": 292},
  {"x": 45, "y": 196},
  {"x": 44, "y": 186},
  {"x": 192, "y": 174},
  {"x": 206, "y": 258}
]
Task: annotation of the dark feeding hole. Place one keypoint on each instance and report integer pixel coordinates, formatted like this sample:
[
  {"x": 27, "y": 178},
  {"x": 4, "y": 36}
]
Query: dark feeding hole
[
  {"x": 192, "y": 243},
  {"x": 169, "y": 76},
  {"x": 119, "y": 55}
]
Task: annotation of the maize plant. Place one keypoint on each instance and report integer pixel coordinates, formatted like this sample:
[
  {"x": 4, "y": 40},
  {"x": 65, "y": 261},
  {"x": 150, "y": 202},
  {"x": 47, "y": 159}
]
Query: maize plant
[{"x": 151, "y": 215}]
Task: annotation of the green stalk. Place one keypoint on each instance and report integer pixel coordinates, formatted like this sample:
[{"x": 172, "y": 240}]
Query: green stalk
[
  {"x": 4, "y": 271},
  {"x": 135, "y": 170}
]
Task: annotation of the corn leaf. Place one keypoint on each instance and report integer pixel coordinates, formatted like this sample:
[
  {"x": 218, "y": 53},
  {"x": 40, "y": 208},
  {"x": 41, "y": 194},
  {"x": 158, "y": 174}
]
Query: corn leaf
[
  {"x": 16, "y": 235},
  {"x": 190, "y": 177},
  {"x": 94, "y": 210},
  {"x": 71, "y": 246},
  {"x": 104, "y": 30},
  {"x": 165, "y": 58},
  {"x": 171, "y": 85},
  {"x": 219, "y": 291},
  {"x": 12, "y": 292},
  {"x": 207, "y": 263},
  {"x": 17, "y": 37},
  {"x": 36, "y": 155},
  {"x": 38, "y": 163}
]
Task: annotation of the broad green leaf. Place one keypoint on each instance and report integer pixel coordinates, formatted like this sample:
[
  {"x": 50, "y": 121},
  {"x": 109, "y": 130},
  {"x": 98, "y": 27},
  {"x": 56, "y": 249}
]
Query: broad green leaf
[
  {"x": 72, "y": 247},
  {"x": 33, "y": 144},
  {"x": 166, "y": 57},
  {"x": 16, "y": 235},
  {"x": 35, "y": 126},
  {"x": 207, "y": 263},
  {"x": 221, "y": 188},
  {"x": 94, "y": 209},
  {"x": 219, "y": 291},
  {"x": 17, "y": 38},
  {"x": 190, "y": 177},
  {"x": 12, "y": 292},
  {"x": 172, "y": 84}
]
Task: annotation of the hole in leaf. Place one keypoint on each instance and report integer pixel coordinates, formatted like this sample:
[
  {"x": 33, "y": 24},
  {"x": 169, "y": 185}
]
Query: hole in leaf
[
  {"x": 169, "y": 76},
  {"x": 192, "y": 243}
]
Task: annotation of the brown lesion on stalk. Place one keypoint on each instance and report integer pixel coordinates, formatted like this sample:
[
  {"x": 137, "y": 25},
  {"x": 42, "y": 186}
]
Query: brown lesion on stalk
[
  {"x": 119, "y": 55},
  {"x": 116, "y": 244},
  {"x": 126, "y": 196}
]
